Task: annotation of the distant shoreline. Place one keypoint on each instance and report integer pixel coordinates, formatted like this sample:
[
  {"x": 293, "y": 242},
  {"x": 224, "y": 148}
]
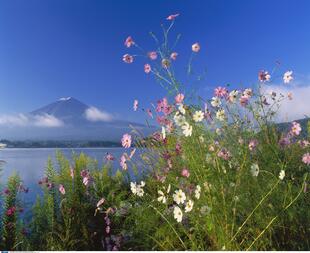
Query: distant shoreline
[{"x": 59, "y": 144}]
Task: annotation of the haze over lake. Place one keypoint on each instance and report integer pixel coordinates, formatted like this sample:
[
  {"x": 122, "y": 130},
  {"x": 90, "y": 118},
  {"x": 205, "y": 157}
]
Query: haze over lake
[{"x": 31, "y": 163}]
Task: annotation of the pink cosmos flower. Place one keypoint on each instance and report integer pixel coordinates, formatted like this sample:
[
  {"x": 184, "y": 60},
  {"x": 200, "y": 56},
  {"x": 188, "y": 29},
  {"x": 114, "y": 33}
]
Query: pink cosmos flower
[
  {"x": 135, "y": 105},
  {"x": 174, "y": 56},
  {"x": 6, "y": 191},
  {"x": 152, "y": 55},
  {"x": 185, "y": 173},
  {"x": 263, "y": 76},
  {"x": 173, "y": 16},
  {"x": 62, "y": 189},
  {"x": 306, "y": 158},
  {"x": 123, "y": 162},
  {"x": 126, "y": 141},
  {"x": 244, "y": 100},
  {"x": 196, "y": 47},
  {"x": 296, "y": 129},
  {"x": 84, "y": 173},
  {"x": 252, "y": 144},
  {"x": 128, "y": 58},
  {"x": 147, "y": 68},
  {"x": 161, "y": 105},
  {"x": 87, "y": 180},
  {"x": 220, "y": 92},
  {"x": 179, "y": 98},
  {"x": 109, "y": 157},
  {"x": 129, "y": 42},
  {"x": 224, "y": 154}
]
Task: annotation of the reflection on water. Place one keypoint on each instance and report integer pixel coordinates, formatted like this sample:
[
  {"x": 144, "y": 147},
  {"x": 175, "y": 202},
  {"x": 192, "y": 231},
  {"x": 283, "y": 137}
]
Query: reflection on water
[{"x": 31, "y": 163}]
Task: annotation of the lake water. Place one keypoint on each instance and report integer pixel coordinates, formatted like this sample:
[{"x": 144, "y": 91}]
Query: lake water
[{"x": 31, "y": 163}]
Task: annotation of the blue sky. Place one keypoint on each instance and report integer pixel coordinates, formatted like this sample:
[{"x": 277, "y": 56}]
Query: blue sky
[{"x": 54, "y": 48}]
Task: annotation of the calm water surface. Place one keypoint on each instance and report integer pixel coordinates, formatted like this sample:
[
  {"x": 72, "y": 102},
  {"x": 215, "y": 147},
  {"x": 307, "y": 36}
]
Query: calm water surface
[{"x": 31, "y": 163}]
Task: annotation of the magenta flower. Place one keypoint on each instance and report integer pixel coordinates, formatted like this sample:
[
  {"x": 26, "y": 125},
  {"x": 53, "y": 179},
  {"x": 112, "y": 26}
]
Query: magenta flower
[
  {"x": 128, "y": 58},
  {"x": 185, "y": 173},
  {"x": 62, "y": 189},
  {"x": 126, "y": 141},
  {"x": 179, "y": 98},
  {"x": 109, "y": 157},
  {"x": 174, "y": 56},
  {"x": 11, "y": 211},
  {"x": 123, "y": 162},
  {"x": 306, "y": 158},
  {"x": 295, "y": 129},
  {"x": 173, "y": 16},
  {"x": 135, "y": 105},
  {"x": 129, "y": 42},
  {"x": 50, "y": 185},
  {"x": 252, "y": 144},
  {"x": 152, "y": 55},
  {"x": 147, "y": 68},
  {"x": 220, "y": 92},
  {"x": 6, "y": 191},
  {"x": 196, "y": 47}
]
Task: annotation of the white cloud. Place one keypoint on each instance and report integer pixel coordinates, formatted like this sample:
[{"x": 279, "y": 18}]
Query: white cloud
[
  {"x": 94, "y": 114},
  {"x": 294, "y": 109},
  {"x": 14, "y": 120},
  {"x": 44, "y": 120}
]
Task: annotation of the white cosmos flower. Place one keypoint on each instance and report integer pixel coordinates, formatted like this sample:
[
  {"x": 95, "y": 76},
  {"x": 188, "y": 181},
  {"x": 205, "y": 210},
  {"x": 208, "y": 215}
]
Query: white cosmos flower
[
  {"x": 187, "y": 129},
  {"x": 254, "y": 169},
  {"x": 181, "y": 109},
  {"x": 282, "y": 174},
  {"x": 137, "y": 189},
  {"x": 189, "y": 206},
  {"x": 233, "y": 96},
  {"x": 179, "y": 197},
  {"x": 247, "y": 93},
  {"x": 178, "y": 215},
  {"x": 220, "y": 115},
  {"x": 288, "y": 76},
  {"x": 162, "y": 198},
  {"x": 215, "y": 102},
  {"x": 179, "y": 119},
  {"x": 163, "y": 132},
  {"x": 197, "y": 192},
  {"x": 198, "y": 116}
]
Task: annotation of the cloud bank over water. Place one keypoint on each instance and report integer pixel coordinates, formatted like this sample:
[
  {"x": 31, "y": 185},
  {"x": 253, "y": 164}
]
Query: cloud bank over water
[{"x": 23, "y": 120}]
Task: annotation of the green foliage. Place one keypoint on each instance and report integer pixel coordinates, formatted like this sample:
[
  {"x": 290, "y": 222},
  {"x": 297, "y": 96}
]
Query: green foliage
[{"x": 10, "y": 227}]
